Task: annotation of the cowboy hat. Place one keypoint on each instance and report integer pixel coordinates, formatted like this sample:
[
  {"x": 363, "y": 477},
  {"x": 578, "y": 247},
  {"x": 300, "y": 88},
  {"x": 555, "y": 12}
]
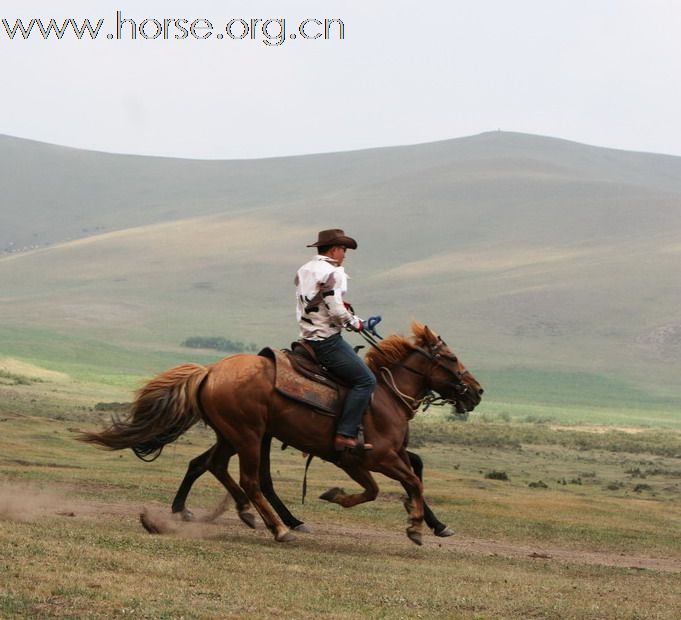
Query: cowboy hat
[{"x": 334, "y": 236}]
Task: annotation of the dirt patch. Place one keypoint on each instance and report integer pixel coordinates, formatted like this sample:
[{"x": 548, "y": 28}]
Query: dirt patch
[
  {"x": 599, "y": 429},
  {"x": 206, "y": 528},
  {"x": 477, "y": 546},
  {"x": 24, "y": 463},
  {"x": 27, "y": 504},
  {"x": 620, "y": 560}
]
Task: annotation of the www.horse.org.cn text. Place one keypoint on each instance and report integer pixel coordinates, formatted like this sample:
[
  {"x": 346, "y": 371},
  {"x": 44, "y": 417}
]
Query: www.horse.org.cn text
[{"x": 272, "y": 32}]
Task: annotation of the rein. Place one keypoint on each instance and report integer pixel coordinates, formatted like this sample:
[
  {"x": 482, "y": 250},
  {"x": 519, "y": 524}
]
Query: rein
[
  {"x": 412, "y": 406},
  {"x": 430, "y": 398}
]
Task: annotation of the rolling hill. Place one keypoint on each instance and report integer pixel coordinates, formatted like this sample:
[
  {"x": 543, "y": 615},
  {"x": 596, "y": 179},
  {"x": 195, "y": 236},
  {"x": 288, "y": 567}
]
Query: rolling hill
[{"x": 548, "y": 261}]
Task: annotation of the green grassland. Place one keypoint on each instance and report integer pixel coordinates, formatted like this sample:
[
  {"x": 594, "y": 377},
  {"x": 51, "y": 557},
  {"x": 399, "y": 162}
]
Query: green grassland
[
  {"x": 584, "y": 526},
  {"x": 551, "y": 268}
]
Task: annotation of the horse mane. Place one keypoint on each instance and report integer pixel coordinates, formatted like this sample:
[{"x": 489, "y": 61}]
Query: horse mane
[{"x": 395, "y": 347}]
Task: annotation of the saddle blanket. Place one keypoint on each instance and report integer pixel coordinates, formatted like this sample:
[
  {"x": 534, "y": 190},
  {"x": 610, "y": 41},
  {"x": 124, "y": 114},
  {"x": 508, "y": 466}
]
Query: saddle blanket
[{"x": 319, "y": 394}]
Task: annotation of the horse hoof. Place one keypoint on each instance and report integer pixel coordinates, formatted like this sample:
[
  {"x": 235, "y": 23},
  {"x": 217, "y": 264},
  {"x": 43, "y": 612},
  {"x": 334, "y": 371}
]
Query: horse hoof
[
  {"x": 248, "y": 518},
  {"x": 444, "y": 532},
  {"x": 331, "y": 494},
  {"x": 186, "y": 514},
  {"x": 286, "y": 537},
  {"x": 414, "y": 536},
  {"x": 303, "y": 529}
]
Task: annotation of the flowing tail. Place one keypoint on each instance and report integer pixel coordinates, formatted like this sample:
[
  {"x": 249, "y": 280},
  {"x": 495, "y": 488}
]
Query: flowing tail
[{"x": 163, "y": 409}]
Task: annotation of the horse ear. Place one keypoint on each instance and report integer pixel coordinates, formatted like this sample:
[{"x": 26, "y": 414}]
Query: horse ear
[
  {"x": 431, "y": 337},
  {"x": 418, "y": 329},
  {"x": 423, "y": 333}
]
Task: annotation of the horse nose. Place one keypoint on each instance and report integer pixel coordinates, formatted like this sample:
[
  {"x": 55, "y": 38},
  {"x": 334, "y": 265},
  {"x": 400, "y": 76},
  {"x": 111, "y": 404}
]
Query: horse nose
[{"x": 481, "y": 392}]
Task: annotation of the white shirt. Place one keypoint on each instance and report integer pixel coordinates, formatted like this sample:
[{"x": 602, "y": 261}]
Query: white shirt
[{"x": 321, "y": 285}]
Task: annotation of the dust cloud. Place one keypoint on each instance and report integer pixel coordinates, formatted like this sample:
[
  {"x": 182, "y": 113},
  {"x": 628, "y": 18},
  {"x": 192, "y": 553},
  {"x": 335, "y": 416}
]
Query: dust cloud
[
  {"x": 156, "y": 521},
  {"x": 26, "y": 504}
]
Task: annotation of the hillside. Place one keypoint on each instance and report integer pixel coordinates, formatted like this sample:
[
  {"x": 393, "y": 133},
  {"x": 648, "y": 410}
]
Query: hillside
[{"x": 525, "y": 252}]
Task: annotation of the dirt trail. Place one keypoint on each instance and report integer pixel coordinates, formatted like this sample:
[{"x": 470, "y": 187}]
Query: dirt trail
[
  {"x": 21, "y": 504},
  {"x": 479, "y": 546},
  {"x": 492, "y": 547}
]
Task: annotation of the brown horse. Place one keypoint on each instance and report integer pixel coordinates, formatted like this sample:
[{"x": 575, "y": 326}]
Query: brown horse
[
  {"x": 216, "y": 460},
  {"x": 236, "y": 397}
]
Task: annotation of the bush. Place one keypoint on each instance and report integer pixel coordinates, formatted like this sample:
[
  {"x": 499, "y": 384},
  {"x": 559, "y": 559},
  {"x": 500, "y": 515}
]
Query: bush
[
  {"x": 538, "y": 485},
  {"x": 219, "y": 344},
  {"x": 457, "y": 416},
  {"x": 116, "y": 407},
  {"x": 15, "y": 379},
  {"x": 496, "y": 475},
  {"x": 514, "y": 436}
]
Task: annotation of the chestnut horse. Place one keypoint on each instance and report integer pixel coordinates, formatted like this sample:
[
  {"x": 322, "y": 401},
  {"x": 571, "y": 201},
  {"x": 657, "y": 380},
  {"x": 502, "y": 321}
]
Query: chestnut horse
[{"x": 236, "y": 397}]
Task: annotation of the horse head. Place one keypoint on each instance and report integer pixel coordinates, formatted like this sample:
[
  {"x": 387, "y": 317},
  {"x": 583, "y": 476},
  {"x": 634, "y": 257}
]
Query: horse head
[{"x": 446, "y": 374}]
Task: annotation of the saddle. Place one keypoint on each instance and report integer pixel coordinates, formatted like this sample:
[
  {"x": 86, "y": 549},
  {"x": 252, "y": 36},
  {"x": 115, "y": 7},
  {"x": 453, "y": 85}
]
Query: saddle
[{"x": 300, "y": 377}]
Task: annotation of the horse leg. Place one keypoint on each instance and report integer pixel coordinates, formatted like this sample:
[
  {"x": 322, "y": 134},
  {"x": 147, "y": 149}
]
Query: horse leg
[
  {"x": 215, "y": 460},
  {"x": 249, "y": 466},
  {"x": 267, "y": 487},
  {"x": 218, "y": 467},
  {"x": 197, "y": 467},
  {"x": 362, "y": 477},
  {"x": 396, "y": 466},
  {"x": 439, "y": 528}
]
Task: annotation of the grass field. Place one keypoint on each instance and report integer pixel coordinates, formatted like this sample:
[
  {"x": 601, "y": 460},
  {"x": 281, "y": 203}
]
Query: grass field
[
  {"x": 585, "y": 526},
  {"x": 550, "y": 267},
  {"x": 519, "y": 393}
]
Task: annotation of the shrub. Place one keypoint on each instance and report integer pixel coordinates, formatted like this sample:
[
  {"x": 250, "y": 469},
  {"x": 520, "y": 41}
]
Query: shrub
[
  {"x": 15, "y": 379},
  {"x": 117, "y": 407},
  {"x": 496, "y": 475},
  {"x": 219, "y": 344},
  {"x": 538, "y": 485}
]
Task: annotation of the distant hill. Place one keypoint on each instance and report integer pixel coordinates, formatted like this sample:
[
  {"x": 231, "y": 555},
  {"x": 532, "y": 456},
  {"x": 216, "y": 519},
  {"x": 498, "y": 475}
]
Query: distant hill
[{"x": 523, "y": 251}]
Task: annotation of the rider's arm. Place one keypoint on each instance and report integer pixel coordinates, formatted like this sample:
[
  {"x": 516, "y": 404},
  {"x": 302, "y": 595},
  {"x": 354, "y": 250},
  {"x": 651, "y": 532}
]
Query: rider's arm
[{"x": 332, "y": 295}]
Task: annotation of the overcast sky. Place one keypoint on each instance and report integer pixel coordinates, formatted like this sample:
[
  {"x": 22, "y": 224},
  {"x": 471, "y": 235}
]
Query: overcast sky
[{"x": 604, "y": 72}]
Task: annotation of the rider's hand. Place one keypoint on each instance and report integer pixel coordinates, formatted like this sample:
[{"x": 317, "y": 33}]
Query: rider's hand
[
  {"x": 355, "y": 324},
  {"x": 359, "y": 325}
]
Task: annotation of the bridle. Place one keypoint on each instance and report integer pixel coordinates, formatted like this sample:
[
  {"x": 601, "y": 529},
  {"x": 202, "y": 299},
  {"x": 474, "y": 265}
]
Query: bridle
[
  {"x": 437, "y": 358},
  {"x": 434, "y": 355}
]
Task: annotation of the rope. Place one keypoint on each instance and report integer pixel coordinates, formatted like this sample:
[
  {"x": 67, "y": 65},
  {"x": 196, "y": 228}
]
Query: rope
[
  {"x": 390, "y": 381},
  {"x": 430, "y": 399}
]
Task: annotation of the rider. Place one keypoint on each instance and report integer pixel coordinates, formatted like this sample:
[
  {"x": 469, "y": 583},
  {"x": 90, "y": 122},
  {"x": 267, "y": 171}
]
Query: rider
[{"x": 321, "y": 284}]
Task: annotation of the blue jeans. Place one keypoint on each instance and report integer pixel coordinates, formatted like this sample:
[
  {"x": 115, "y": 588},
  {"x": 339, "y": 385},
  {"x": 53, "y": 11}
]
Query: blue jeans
[{"x": 340, "y": 358}]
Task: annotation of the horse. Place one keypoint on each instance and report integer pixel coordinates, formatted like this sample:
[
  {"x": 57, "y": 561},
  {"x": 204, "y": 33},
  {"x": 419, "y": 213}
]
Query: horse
[
  {"x": 236, "y": 397},
  {"x": 216, "y": 460}
]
